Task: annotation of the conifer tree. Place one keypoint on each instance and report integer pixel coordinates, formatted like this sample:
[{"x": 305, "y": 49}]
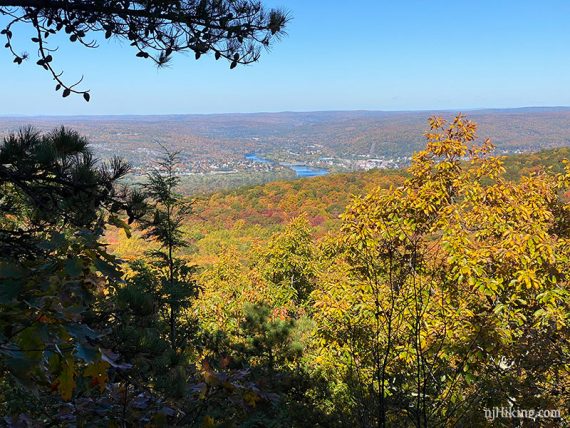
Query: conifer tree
[
  {"x": 164, "y": 226},
  {"x": 152, "y": 328},
  {"x": 268, "y": 340},
  {"x": 55, "y": 204},
  {"x": 155, "y": 29}
]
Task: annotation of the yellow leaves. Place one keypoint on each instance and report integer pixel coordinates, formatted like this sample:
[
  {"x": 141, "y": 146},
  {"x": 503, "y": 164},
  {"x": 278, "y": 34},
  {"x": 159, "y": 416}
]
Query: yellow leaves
[
  {"x": 435, "y": 122},
  {"x": 98, "y": 372},
  {"x": 208, "y": 374},
  {"x": 208, "y": 422},
  {"x": 319, "y": 359},
  {"x": 528, "y": 278},
  {"x": 251, "y": 398},
  {"x": 66, "y": 379}
]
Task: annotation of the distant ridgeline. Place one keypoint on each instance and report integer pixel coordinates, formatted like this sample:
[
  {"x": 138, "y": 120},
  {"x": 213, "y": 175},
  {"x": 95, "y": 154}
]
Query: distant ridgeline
[{"x": 220, "y": 152}]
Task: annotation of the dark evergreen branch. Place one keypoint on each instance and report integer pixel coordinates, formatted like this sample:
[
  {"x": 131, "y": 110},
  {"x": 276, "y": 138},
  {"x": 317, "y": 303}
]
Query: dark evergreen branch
[{"x": 231, "y": 29}]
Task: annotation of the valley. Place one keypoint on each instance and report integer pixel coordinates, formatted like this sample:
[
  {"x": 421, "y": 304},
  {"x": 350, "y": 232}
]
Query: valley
[{"x": 226, "y": 151}]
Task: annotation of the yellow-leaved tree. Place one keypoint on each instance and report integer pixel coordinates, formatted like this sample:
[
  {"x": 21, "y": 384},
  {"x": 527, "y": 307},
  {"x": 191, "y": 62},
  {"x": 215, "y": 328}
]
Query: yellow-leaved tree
[{"x": 448, "y": 295}]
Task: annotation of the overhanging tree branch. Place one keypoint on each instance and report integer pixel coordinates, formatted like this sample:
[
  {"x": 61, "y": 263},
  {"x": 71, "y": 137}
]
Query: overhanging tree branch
[{"x": 235, "y": 30}]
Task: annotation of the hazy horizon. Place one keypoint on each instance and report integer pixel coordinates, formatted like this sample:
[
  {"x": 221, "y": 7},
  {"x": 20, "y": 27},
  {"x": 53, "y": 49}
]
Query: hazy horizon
[{"x": 237, "y": 113}]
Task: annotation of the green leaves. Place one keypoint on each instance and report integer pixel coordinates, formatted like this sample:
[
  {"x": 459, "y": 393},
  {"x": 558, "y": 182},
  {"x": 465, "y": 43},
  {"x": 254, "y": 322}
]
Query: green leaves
[
  {"x": 10, "y": 289},
  {"x": 12, "y": 279},
  {"x": 73, "y": 267},
  {"x": 55, "y": 240},
  {"x": 114, "y": 220}
]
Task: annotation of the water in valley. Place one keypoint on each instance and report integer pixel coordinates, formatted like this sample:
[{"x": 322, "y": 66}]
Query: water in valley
[{"x": 300, "y": 169}]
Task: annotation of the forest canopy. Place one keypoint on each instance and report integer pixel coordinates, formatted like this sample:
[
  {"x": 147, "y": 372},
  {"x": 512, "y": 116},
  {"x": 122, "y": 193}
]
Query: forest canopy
[{"x": 431, "y": 300}]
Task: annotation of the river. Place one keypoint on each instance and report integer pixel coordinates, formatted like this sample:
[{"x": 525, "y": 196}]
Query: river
[{"x": 300, "y": 169}]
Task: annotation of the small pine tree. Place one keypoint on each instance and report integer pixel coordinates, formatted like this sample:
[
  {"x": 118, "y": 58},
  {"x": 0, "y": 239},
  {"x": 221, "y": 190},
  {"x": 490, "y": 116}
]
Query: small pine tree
[
  {"x": 164, "y": 226},
  {"x": 268, "y": 342},
  {"x": 152, "y": 329}
]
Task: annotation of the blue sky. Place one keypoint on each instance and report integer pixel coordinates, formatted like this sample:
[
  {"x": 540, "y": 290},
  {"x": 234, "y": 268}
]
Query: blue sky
[{"x": 338, "y": 55}]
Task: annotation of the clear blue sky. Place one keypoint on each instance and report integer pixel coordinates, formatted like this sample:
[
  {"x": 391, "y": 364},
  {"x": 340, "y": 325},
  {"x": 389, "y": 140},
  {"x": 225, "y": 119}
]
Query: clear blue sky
[{"x": 338, "y": 55}]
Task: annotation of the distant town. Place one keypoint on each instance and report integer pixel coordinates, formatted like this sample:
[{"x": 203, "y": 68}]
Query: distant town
[{"x": 225, "y": 151}]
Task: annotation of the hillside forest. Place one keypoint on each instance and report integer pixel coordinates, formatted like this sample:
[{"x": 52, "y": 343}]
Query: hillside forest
[{"x": 411, "y": 298}]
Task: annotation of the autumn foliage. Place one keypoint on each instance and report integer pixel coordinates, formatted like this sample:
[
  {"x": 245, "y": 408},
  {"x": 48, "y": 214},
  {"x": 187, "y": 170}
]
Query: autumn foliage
[{"x": 438, "y": 293}]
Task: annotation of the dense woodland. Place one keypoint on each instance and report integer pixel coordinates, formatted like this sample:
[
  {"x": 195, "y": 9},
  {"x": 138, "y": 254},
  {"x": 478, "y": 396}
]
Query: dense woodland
[
  {"x": 414, "y": 298},
  {"x": 407, "y": 298}
]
